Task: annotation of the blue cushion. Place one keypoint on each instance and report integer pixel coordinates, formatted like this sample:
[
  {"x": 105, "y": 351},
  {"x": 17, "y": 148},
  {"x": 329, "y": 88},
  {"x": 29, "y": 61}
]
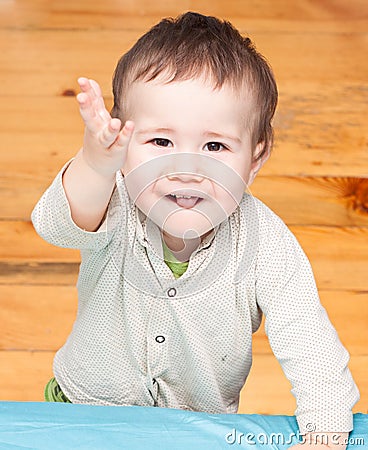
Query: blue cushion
[{"x": 53, "y": 426}]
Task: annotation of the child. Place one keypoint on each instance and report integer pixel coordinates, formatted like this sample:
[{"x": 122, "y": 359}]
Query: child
[{"x": 178, "y": 261}]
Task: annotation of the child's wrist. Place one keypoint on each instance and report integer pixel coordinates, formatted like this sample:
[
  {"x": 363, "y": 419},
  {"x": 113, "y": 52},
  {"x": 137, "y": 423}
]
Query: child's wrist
[{"x": 106, "y": 173}]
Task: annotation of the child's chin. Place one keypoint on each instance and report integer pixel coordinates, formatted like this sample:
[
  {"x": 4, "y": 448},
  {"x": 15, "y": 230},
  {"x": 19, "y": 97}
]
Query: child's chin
[{"x": 187, "y": 228}]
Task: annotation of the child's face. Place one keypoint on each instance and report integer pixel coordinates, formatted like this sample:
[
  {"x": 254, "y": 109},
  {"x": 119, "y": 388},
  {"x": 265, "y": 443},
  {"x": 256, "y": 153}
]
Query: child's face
[{"x": 191, "y": 140}]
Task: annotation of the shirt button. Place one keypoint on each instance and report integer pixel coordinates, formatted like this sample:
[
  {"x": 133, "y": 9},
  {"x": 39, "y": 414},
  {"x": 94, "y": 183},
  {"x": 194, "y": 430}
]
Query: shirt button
[
  {"x": 171, "y": 292},
  {"x": 160, "y": 339}
]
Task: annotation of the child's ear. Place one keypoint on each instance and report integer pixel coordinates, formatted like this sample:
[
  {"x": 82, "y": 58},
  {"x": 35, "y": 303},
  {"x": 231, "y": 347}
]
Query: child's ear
[{"x": 258, "y": 161}]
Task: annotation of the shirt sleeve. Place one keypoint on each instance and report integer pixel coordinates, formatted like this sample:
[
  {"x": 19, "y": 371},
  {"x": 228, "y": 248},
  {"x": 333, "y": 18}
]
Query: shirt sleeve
[
  {"x": 302, "y": 336},
  {"x": 53, "y": 221}
]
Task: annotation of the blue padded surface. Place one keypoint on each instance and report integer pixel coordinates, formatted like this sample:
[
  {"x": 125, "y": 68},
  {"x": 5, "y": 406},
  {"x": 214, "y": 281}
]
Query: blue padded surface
[{"x": 53, "y": 426}]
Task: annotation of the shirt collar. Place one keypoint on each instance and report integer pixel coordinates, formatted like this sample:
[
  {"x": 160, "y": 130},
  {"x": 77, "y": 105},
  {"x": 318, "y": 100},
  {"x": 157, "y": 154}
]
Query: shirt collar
[{"x": 149, "y": 234}]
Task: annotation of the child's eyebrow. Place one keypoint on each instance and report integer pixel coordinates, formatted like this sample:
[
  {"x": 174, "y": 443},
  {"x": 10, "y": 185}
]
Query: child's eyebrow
[
  {"x": 213, "y": 134},
  {"x": 208, "y": 134},
  {"x": 154, "y": 130}
]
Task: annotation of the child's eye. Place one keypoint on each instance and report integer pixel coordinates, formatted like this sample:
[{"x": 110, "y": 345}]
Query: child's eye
[
  {"x": 215, "y": 146},
  {"x": 160, "y": 142}
]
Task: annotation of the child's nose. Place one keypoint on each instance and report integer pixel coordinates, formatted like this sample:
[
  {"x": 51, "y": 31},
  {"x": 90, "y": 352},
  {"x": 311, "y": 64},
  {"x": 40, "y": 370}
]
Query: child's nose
[
  {"x": 185, "y": 167},
  {"x": 185, "y": 177}
]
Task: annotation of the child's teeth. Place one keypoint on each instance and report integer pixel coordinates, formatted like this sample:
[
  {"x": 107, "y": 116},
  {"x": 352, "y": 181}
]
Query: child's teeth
[{"x": 185, "y": 201}]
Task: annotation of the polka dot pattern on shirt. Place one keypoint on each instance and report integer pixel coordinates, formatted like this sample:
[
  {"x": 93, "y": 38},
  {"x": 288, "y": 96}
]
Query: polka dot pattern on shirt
[{"x": 142, "y": 337}]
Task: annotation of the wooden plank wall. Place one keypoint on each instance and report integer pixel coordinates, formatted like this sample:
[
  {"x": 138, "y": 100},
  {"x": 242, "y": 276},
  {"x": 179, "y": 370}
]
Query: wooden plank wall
[{"x": 316, "y": 179}]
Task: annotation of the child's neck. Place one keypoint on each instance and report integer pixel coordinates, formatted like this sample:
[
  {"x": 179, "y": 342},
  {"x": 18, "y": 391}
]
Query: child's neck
[{"x": 182, "y": 248}]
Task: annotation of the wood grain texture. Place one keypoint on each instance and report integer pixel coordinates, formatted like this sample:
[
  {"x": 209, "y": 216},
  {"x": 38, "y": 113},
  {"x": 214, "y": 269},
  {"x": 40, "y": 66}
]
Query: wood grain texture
[
  {"x": 136, "y": 14},
  {"x": 339, "y": 256},
  {"x": 316, "y": 178},
  {"x": 310, "y": 146},
  {"x": 267, "y": 391},
  {"x": 72, "y": 53},
  {"x": 321, "y": 201},
  {"x": 259, "y": 395},
  {"x": 36, "y": 317},
  {"x": 23, "y": 375},
  {"x": 40, "y": 317},
  {"x": 316, "y": 133},
  {"x": 17, "y": 273},
  {"x": 344, "y": 308},
  {"x": 18, "y": 240}
]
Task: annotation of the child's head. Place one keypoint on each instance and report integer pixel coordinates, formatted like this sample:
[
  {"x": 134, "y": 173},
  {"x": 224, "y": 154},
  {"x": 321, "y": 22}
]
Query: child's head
[
  {"x": 202, "y": 98},
  {"x": 194, "y": 46}
]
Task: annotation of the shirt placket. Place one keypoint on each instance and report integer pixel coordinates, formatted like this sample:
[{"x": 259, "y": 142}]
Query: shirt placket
[{"x": 158, "y": 342}]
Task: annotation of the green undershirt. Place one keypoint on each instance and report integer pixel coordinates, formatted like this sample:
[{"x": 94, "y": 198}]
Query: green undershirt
[{"x": 176, "y": 267}]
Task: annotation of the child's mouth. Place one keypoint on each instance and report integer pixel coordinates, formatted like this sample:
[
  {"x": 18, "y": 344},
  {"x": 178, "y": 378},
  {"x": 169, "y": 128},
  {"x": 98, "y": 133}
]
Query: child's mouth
[{"x": 184, "y": 201}]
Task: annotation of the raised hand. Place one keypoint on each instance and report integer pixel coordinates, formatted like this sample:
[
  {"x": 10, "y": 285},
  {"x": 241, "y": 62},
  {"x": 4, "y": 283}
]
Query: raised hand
[
  {"x": 105, "y": 143},
  {"x": 90, "y": 179}
]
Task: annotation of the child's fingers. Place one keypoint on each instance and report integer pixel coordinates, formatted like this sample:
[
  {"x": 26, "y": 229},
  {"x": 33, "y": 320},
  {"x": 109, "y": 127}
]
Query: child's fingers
[
  {"x": 110, "y": 133},
  {"x": 96, "y": 94},
  {"x": 92, "y": 89},
  {"x": 95, "y": 87},
  {"x": 125, "y": 135},
  {"x": 98, "y": 119},
  {"x": 83, "y": 100},
  {"x": 91, "y": 104},
  {"x": 87, "y": 111},
  {"x": 88, "y": 86}
]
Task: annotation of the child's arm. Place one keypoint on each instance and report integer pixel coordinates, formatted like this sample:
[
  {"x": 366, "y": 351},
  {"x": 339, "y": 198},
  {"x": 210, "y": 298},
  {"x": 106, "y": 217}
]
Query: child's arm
[
  {"x": 90, "y": 179},
  {"x": 302, "y": 336}
]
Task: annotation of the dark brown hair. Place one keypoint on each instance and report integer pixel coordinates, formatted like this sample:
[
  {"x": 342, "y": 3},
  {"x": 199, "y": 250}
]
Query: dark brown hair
[{"x": 193, "y": 46}]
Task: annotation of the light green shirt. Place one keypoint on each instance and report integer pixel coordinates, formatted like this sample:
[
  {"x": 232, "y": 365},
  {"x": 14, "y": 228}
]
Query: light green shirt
[{"x": 176, "y": 267}]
